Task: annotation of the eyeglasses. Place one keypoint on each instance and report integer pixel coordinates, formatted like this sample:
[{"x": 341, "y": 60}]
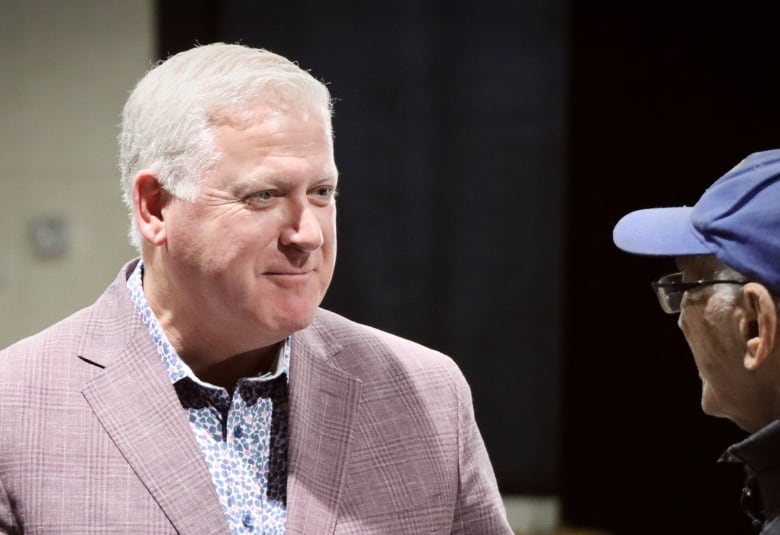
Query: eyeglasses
[{"x": 670, "y": 289}]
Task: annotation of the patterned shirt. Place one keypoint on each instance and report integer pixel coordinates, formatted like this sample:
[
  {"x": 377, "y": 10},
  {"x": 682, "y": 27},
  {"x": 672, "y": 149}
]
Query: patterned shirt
[{"x": 243, "y": 439}]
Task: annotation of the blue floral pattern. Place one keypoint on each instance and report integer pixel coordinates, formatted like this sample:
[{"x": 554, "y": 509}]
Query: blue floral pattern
[{"x": 243, "y": 438}]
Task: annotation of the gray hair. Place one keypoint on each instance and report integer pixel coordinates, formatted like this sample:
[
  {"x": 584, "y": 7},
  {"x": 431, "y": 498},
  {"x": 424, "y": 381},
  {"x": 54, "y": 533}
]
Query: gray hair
[
  {"x": 729, "y": 292},
  {"x": 169, "y": 120}
]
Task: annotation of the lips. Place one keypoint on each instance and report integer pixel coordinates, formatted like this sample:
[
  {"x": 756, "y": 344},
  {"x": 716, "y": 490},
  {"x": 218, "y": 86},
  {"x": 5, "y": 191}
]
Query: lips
[
  {"x": 290, "y": 278},
  {"x": 289, "y": 273}
]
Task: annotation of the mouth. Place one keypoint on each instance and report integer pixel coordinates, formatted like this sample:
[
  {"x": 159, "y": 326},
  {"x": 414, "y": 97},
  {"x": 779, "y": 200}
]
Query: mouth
[
  {"x": 291, "y": 276},
  {"x": 290, "y": 281},
  {"x": 290, "y": 273}
]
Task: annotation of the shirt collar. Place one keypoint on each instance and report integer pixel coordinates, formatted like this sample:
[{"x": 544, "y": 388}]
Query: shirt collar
[{"x": 759, "y": 451}]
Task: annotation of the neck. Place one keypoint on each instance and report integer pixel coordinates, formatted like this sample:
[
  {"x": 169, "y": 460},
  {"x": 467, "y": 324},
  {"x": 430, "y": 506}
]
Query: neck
[{"x": 214, "y": 354}]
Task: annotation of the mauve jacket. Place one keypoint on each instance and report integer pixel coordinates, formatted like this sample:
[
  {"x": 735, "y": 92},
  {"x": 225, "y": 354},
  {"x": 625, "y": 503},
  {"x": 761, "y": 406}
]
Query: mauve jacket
[{"x": 93, "y": 438}]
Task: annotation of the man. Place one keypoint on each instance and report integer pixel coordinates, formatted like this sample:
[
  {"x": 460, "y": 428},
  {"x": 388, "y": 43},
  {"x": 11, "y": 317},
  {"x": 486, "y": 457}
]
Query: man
[
  {"x": 205, "y": 391},
  {"x": 726, "y": 293}
]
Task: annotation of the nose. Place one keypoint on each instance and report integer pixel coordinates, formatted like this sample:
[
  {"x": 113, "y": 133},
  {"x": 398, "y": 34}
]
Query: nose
[
  {"x": 681, "y": 323},
  {"x": 304, "y": 231}
]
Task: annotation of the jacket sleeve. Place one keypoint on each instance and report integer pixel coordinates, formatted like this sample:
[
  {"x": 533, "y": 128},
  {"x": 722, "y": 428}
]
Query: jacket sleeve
[{"x": 479, "y": 508}]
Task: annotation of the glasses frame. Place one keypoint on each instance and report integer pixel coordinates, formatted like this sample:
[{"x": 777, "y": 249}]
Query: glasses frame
[{"x": 670, "y": 289}]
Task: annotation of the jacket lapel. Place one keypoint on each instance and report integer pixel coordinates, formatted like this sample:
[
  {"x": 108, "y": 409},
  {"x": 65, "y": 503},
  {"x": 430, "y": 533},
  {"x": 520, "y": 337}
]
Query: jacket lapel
[
  {"x": 323, "y": 406},
  {"x": 139, "y": 409}
]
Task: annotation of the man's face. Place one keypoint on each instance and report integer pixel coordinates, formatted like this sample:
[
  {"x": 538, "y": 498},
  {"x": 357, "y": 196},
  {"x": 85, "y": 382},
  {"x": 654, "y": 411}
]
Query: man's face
[
  {"x": 255, "y": 251},
  {"x": 708, "y": 322}
]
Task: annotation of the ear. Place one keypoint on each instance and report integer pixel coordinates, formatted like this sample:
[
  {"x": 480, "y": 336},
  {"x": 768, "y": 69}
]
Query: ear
[
  {"x": 761, "y": 324},
  {"x": 149, "y": 199}
]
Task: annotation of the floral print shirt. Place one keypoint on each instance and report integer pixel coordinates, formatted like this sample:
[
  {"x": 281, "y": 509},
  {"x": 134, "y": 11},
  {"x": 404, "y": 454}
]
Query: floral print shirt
[{"x": 243, "y": 438}]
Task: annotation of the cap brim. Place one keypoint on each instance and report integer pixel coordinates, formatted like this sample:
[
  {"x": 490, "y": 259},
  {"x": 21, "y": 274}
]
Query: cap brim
[{"x": 658, "y": 232}]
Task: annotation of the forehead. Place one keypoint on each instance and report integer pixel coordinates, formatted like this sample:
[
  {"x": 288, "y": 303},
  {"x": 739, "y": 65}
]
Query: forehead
[
  {"x": 283, "y": 146},
  {"x": 243, "y": 113}
]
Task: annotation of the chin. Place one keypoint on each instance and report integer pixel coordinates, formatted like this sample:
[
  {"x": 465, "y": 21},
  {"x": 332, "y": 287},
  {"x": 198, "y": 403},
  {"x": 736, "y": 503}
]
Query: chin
[
  {"x": 295, "y": 319},
  {"x": 709, "y": 405}
]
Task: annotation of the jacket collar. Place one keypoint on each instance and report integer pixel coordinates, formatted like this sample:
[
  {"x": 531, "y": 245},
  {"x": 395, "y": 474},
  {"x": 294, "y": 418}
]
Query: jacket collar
[{"x": 760, "y": 453}]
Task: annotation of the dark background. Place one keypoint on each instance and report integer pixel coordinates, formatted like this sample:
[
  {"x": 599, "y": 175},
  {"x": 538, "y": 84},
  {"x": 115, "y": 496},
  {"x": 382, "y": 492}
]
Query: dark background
[{"x": 486, "y": 150}]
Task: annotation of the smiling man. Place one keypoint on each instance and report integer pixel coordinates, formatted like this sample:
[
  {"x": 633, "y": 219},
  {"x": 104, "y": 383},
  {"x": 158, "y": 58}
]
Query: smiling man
[
  {"x": 726, "y": 293},
  {"x": 205, "y": 391}
]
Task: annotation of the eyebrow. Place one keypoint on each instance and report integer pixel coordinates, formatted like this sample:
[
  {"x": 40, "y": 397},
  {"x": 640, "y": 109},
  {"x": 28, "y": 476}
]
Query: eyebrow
[{"x": 243, "y": 183}]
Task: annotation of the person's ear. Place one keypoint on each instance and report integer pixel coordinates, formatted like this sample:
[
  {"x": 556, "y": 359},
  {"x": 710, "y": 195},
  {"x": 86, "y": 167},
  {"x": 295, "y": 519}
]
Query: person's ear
[
  {"x": 760, "y": 324},
  {"x": 149, "y": 199}
]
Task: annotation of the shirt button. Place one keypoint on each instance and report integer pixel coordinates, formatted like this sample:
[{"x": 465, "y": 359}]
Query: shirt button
[
  {"x": 248, "y": 521},
  {"x": 238, "y": 432}
]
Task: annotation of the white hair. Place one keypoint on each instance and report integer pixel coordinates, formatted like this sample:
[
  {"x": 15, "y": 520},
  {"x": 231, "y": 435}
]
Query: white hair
[
  {"x": 169, "y": 120},
  {"x": 728, "y": 293}
]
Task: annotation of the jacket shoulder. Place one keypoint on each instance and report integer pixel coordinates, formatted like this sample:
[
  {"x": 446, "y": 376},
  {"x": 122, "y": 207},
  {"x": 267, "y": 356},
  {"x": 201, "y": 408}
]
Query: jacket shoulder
[
  {"x": 102, "y": 324},
  {"x": 59, "y": 338},
  {"x": 373, "y": 354}
]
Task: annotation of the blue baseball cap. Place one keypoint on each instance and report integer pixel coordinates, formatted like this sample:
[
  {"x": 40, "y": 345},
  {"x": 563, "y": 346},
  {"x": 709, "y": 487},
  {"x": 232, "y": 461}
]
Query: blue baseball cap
[{"x": 737, "y": 219}]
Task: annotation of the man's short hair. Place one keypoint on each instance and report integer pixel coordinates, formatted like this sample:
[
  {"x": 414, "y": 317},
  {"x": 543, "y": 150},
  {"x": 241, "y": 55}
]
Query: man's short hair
[{"x": 169, "y": 119}]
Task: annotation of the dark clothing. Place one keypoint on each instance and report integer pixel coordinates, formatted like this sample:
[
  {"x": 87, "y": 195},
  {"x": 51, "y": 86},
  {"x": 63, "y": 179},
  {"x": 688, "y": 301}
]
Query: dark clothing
[{"x": 760, "y": 453}]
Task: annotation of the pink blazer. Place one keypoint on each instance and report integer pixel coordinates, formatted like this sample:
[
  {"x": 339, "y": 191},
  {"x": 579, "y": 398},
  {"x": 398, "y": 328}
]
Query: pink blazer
[{"x": 93, "y": 438}]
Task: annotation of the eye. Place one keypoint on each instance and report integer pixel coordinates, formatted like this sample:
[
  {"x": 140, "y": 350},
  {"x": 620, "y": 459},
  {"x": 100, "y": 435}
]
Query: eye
[
  {"x": 259, "y": 197},
  {"x": 324, "y": 193}
]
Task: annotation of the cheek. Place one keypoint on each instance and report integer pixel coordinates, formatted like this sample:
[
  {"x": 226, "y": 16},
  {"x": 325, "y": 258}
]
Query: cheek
[
  {"x": 185, "y": 227},
  {"x": 327, "y": 222},
  {"x": 181, "y": 243},
  {"x": 203, "y": 246},
  {"x": 699, "y": 339}
]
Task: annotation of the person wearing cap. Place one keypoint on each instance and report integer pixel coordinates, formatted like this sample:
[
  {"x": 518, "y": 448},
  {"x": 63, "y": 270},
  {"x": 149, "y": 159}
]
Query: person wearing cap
[
  {"x": 206, "y": 391},
  {"x": 727, "y": 293}
]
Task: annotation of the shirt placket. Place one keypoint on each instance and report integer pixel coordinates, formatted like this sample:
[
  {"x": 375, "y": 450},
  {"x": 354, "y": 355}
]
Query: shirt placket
[{"x": 247, "y": 441}]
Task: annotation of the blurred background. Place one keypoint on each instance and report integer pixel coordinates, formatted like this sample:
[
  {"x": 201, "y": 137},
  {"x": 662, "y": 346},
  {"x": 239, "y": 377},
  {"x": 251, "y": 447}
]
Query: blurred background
[{"x": 486, "y": 150}]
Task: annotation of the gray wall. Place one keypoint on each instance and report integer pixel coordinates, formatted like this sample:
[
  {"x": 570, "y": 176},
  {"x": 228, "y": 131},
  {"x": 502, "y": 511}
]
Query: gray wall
[{"x": 67, "y": 68}]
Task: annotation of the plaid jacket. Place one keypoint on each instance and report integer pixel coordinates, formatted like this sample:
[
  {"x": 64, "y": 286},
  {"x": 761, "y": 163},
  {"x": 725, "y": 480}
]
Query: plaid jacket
[{"x": 93, "y": 438}]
